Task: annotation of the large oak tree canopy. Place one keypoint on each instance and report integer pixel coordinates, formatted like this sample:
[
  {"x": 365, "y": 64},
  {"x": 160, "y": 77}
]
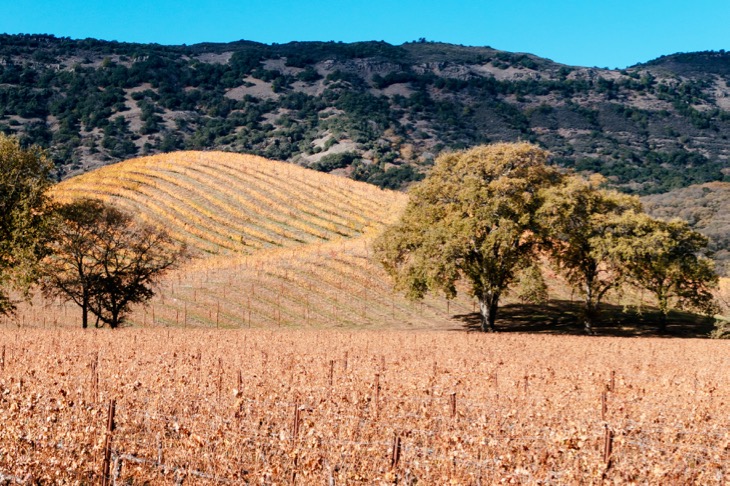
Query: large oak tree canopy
[
  {"x": 484, "y": 214},
  {"x": 473, "y": 218}
]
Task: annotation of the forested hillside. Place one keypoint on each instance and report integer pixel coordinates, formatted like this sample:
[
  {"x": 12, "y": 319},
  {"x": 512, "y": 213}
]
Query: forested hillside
[{"x": 372, "y": 111}]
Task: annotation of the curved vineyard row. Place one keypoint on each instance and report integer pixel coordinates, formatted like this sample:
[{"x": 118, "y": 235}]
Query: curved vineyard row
[
  {"x": 230, "y": 203},
  {"x": 325, "y": 285}
]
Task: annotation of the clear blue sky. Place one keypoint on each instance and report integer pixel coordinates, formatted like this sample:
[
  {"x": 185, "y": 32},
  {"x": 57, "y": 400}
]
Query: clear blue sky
[{"x": 608, "y": 33}]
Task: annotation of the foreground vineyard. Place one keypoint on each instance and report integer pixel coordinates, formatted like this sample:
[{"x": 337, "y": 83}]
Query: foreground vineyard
[
  {"x": 225, "y": 203},
  {"x": 319, "y": 407}
]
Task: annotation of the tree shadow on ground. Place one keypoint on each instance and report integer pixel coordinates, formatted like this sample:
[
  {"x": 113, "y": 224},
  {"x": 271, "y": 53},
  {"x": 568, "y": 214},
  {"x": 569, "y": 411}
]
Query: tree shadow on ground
[{"x": 563, "y": 317}]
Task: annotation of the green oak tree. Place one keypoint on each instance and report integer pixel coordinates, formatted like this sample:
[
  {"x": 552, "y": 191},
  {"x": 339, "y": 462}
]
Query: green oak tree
[
  {"x": 664, "y": 257},
  {"x": 576, "y": 217},
  {"x": 24, "y": 206},
  {"x": 473, "y": 219}
]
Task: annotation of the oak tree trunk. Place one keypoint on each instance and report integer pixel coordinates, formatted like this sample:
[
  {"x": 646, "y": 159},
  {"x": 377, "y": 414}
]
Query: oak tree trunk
[
  {"x": 590, "y": 312},
  {"x": 488, "y": 305}
]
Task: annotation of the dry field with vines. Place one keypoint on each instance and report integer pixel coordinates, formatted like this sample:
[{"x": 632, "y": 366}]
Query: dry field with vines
[
  {"x": 281, "y": 357},
  {"x": 361, "y": 407}
]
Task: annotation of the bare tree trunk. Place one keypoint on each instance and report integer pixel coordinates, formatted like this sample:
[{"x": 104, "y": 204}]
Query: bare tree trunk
[
  {"x": 85, "y": 310},
  {"x": 488, "y": 305},
  {"x": 664, "y": 308}
]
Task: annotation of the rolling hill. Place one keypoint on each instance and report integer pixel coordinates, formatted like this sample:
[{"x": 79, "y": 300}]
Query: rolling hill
[
  {"x": 370, "y": 111},
  {"x": 276, "y": 244},
  {"x": 279, "y": 246},
  {"x": 223, "y": 203}
]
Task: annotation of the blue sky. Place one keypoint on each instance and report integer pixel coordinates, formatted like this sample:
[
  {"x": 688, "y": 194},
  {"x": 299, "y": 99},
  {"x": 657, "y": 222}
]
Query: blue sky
[{"x": 608, "y": 33}]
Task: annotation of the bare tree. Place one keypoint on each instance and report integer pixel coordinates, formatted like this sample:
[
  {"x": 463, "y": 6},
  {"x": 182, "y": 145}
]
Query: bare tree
[{"x": 105, "y": 261}]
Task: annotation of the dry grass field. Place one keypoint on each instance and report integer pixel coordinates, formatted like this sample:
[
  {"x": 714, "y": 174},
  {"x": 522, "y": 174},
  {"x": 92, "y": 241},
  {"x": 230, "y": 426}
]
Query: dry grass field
[{"x": 361, "y": 407}]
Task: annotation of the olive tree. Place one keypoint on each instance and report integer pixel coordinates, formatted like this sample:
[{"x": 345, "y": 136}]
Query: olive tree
[
  {"x": 473, "y": 219},
  {"x": 105, "y": 261},
  {"x": 24, "y": 206}
]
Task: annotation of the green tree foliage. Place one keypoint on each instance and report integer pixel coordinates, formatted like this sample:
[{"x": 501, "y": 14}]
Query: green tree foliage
[
  {"x": 473, "y": 219},
  {"x": 105, "y": 261},
  {"x": 330, "y": 162},
  {"x": 577, "y": 217},
  {"x": 24, "y": 180},
  {"x": 531, "y": 287},
  {"x": 664, "y": 258}
]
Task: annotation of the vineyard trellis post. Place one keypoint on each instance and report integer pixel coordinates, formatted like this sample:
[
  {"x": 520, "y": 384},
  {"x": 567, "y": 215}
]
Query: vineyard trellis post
[
  {"x": 395, "y": 456},
  {"x": 295, "y": 425},
  {"x": 105, "y": 478},
  {"x": 95, "y": 378},
  {"x": 377, "y": 396},
  {"x": 607, "y": 446}
]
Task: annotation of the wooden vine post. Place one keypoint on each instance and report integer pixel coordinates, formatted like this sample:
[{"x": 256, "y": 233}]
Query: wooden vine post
[
  {"x": 297, "y": 420},
  {"x": 395, "y": 455},
  {"x": 377, "y": 396},
  {"x": 607, "y": 445},
  {"x": 105, "y": 478},
  {"x": 95, "y": 379}
]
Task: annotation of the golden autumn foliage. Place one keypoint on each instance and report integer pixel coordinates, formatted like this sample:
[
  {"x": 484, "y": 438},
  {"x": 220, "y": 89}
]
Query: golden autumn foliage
[{"x": 225, "y": 203}]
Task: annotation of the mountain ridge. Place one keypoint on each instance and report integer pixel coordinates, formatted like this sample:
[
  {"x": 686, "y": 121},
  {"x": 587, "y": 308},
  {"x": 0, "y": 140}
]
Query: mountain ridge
[{"x": 373, "y": 111}]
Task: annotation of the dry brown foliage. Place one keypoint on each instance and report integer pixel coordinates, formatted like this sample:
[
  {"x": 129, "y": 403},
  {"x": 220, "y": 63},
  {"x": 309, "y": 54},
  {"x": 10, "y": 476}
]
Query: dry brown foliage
[{"x": 367, "y": 407}]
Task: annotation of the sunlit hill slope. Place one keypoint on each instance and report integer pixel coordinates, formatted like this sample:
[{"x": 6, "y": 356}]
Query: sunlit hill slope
[
  {"x": 224, "y": 203},
  {"x": 275, "y": 244}
]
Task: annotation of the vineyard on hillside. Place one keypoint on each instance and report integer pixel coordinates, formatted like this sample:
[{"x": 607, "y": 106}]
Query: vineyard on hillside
[
  {"x": 332, "y": 407},
  {"x": 333, "y": 284},
  {"x": 265, "y": 360},
  {"x": 223, "y": 203},
  {"x": 276, "y": 245}
]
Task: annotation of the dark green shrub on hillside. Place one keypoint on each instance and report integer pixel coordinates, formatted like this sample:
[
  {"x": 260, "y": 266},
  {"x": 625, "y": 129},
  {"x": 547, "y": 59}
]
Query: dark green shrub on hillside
[{"x": 330, "y": 162}]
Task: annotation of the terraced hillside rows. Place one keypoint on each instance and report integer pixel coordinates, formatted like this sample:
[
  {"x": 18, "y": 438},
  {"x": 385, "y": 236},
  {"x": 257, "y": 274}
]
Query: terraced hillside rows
[
  {"x": 277, "y": 245},
  {"x": 330, "y": 285},
  {"x": 223, "y": 203}
]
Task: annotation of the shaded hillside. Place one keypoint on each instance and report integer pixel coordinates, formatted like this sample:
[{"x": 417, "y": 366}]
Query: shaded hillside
[
  {"x": 372, "y": 111},
  {"x": 226, "y": 203}
]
